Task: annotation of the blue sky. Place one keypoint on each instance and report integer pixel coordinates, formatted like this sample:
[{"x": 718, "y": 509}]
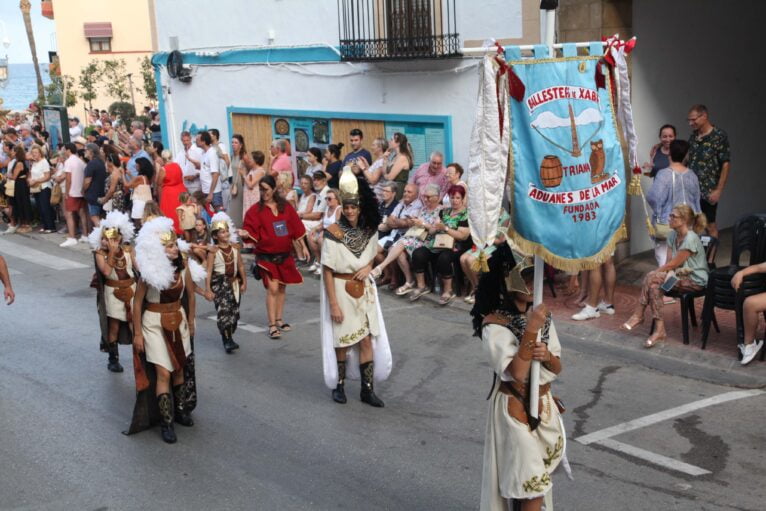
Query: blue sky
[{"x": 18, "y": 52}]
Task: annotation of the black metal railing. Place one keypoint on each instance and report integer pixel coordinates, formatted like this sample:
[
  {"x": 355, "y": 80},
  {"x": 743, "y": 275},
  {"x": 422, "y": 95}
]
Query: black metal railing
[{"x": 397, "y": 29}]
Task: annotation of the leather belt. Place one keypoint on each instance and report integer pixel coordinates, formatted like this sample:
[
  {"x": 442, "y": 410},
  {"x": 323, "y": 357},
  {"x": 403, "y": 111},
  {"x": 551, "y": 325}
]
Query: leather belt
[
  {"x": 518, "y": 408},
  {"x": 272, "y": 258},
  {"x": 119, "y": 283},
  {"x": 521, "y": 388},
  {"x": 343, "y": 276},
  {"x": 163, "y": 308}
]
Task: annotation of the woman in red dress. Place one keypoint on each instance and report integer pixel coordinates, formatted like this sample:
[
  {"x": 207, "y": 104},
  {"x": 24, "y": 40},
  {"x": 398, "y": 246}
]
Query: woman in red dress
[
  {"x": 171, "y": 184},
  {"x": 272, "y": 224}
]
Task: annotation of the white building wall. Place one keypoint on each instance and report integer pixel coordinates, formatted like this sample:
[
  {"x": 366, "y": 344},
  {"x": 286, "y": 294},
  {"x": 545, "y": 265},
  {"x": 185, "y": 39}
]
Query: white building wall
[
  {"x": 408, "y": 91},
  {"x": 225, "y": 23},
  {"x": 702, "y": 51}
]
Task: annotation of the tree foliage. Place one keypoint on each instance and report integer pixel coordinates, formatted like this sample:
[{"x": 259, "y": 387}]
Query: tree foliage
[
  {"x": 54, "y": 91},
  {"x": 115, "y": 76},
  {"x": 150, "y": 84},
  {"x": 90, "y": 76}
]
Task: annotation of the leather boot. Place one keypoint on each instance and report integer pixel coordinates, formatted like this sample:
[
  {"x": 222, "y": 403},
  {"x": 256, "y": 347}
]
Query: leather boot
[
  {"x": 234, "y": 345},
  {"x": 227, "y": 344},
  {"x": 339, "y": 394},
  {"x": 166, "y": 418},
  {"x": 368, "y": 395},
  {"x": 179, "y": 399},
  {"x": 114, "y": 358}
]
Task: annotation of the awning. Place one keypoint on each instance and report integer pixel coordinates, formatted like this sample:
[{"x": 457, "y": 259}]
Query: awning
[{"x": 101, "y": 29}]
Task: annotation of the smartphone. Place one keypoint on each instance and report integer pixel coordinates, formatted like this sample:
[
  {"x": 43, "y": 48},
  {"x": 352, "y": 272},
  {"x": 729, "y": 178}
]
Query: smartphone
[{"x": 671, "y": 281}]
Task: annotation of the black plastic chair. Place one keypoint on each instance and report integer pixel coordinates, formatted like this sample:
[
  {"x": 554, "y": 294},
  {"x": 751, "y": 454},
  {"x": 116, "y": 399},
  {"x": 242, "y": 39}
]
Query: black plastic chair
[
  {"x": 749, "y": 236},
  {"x": 686, "y": 299}
]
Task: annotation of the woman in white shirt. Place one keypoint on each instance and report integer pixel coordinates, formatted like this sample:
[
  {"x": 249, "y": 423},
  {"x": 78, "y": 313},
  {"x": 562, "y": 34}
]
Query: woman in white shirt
[
  {"x": 316, "y": 236},
  {"x": 314, "y": 159},
  {"x": 40, "y": 187}
]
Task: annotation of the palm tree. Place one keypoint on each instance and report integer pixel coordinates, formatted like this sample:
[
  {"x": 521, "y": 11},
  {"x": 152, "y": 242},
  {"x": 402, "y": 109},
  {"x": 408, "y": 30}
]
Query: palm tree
[{"x": 25, "y": 6}]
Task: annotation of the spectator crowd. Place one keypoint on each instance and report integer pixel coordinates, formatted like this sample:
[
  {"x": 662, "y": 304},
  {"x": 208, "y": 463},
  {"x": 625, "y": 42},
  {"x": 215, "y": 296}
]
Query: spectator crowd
[{"x": 424, "y": 237}]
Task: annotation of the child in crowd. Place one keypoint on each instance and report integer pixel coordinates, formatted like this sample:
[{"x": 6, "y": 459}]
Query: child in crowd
[
  {"x": 200, "y": 241},
  {"x": 151, "y": 210},
  {"x": 187, "y": 213},
  {"x": 205, "y": 210}
]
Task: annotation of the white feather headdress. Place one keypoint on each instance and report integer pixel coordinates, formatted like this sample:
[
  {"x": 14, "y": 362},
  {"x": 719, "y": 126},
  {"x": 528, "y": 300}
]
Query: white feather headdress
[
  {"x": 114, "y": 220},
  {"x": 223, "y": 217},
  {"x": 155, "y": 267},
  {"x": 197, "y": 271}
]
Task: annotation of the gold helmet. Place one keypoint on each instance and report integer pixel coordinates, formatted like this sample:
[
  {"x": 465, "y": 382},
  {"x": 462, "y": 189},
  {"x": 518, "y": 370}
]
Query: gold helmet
[{"x": 349, "y": 187}]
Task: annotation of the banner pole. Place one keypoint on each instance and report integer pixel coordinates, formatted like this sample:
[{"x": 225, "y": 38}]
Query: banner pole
[{"x": 548, "y": 38}]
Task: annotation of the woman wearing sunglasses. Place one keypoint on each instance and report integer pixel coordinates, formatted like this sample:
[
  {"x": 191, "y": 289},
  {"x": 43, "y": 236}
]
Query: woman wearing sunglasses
[{"x": 273, "y": 225}]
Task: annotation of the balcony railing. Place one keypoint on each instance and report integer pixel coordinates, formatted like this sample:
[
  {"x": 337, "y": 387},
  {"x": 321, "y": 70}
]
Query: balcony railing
[{"x": 397, "y": 29}]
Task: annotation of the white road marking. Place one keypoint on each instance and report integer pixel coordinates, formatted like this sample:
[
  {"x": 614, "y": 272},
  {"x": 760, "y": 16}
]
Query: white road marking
[
  {"x": 11, "y": 271},
  {"x": 604, "y": 436},
  {"x": 671, "y": 413},
  {"x": 657, "y": 459},
  {"x": 243, "y": 326},
  {"x": 38, "y": 257}
]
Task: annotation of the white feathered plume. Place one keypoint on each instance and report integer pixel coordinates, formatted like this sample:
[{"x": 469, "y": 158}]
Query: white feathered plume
[
  {"x": 114, "y": 219},
  {"x": 223, "y": 217},
  {"x": 155, "y": 267},
  {"x": 197, "y": 271}
]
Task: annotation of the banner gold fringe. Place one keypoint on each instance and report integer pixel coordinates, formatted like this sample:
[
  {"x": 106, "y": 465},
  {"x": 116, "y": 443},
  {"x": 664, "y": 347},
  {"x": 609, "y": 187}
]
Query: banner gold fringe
[
  {"x": 634, "y": 188},
  {"x": 563, "y": 263},
  {"x": 480, "y": 264}
]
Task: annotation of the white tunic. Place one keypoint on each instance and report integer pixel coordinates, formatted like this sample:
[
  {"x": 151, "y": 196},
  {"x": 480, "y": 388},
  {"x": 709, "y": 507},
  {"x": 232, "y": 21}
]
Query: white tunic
[
  {"x": 115, "y": 308},
  {"x": 518, "y": 462},
  {"x": 154, "y": 339},
  {"x": 362, "y": 316}
]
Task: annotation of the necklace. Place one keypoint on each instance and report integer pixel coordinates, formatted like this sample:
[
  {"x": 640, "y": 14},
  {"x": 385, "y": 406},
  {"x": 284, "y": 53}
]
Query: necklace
[{"x": 228, "y": 256}]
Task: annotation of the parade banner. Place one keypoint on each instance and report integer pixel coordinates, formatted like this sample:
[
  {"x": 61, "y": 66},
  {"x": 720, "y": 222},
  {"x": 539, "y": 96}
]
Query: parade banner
[{"x": 566, "y": 173}]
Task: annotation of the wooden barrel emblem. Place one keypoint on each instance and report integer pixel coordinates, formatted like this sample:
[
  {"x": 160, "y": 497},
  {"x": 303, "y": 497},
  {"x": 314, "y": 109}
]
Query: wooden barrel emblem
[{"x": 550, "y": 171}]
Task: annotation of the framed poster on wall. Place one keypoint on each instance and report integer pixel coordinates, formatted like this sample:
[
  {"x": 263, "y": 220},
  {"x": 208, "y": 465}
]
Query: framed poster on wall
[{"x": 424, "y": 138}]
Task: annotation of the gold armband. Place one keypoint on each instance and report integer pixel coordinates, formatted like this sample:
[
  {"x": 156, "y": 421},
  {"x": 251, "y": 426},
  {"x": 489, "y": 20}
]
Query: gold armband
[{"x": 527, "y": 345}]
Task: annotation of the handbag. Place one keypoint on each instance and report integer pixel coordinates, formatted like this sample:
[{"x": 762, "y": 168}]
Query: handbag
[
  {"x": 420, "y": 233},
  {"x": 444, "y": 240},
  {"x": 10, "y": 187},
  {"x": 56, "y": 194}
]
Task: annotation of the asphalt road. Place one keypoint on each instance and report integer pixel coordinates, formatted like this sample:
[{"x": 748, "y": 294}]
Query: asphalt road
[{"x": 268, "y": 436}]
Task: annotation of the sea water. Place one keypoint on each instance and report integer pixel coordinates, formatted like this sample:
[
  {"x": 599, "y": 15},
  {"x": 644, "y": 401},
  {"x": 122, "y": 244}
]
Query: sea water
[{"x": 21, "y": 88}]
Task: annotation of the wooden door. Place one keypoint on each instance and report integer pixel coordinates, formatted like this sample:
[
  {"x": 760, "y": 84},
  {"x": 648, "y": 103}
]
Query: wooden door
[{"x": 256, "y": 130}]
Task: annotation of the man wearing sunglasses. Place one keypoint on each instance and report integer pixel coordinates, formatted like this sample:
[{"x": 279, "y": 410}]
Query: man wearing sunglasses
[{"x": 709, "y": 156}]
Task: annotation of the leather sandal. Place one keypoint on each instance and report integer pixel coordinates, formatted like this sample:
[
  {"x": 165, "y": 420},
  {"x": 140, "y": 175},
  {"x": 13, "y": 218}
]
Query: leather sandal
[
  {"x": 446, "y": 299},
  {"x": 274, "y": 332},
  {"x": 632, "y": 322},
  {"x": 654, "y": 340},
  {"x": 285, "y": 327}
]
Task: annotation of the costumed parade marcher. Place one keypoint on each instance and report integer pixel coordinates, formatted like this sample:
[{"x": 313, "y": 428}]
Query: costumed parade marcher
[
  {"x": 163, "y": 325},
  {"x": 226, "y": 278},
  {"x": 520, "y": 452},
  {"x": 352, "y": 323},
  {"x": 115, "y": 283},
  {"x": 273, "y": 225}
]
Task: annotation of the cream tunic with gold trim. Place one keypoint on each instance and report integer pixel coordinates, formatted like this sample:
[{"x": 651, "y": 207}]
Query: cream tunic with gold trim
[
  {"x": 359, "y": 314},
  {"x": 151, "y": 327},
  {"x": 219, "y": 267},
  {"x": 116, "y": 308},
  {"x": 518, "y": 462}
]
